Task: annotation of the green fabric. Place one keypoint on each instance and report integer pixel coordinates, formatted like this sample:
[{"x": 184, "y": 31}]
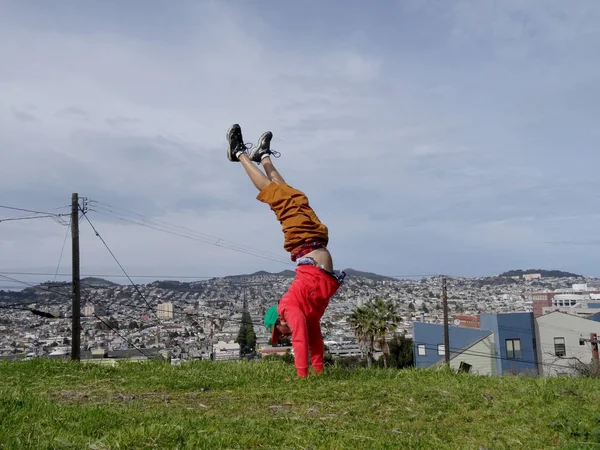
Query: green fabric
[{"x": 271, "y": 317}]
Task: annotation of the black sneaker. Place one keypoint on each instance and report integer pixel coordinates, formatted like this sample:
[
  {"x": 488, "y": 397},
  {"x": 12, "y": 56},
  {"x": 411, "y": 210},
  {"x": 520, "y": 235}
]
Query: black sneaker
[
  {"x": 263, "y": 147},
  {"x": 236, "y": 142}
]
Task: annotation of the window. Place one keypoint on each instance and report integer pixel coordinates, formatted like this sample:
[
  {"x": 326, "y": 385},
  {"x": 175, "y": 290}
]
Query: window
[
  {"x": 441, "y": 349},
  {"x": 421, "y": 349},
  {"x": 464, "y": 367},
  {"x": 513, "y": 348},
  {"x": 560, "y": 348}
]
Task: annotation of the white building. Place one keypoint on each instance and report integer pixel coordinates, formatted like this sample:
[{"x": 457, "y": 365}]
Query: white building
[
  {"x": 226, "y": 350},
  {"x": 559, "y": 343},
  {"x": 479, "y": 357},
  {"x": 165, "y": 310},
  {"x": 88, "y": 310},
  {"x": 580, "y": 304},
  {"x": 532, "y": 276}
]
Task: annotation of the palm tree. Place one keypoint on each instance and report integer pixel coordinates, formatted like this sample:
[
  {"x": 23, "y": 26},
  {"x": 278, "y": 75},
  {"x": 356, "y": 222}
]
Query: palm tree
[
  {"x": 373, "y": 323},
  {"x": 386, "y": 324},
  {"x": 362, "y": 321}
]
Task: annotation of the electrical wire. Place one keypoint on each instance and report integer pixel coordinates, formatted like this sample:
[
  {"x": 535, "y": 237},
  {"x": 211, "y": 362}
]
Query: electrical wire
[
  {"x": 61, "y": 252},
  {"x": 28, "y": 210},
  {"x": 144, "y": 218},
  {"x": 118, "y": 263},
  {"x": 156, "y": 277},
  {"x": 34, "y": 286},
  {"x": 122, "y": 337},
  {"x": 29, "y": 218},
  {"x": 217, "y": 243},
  {"x": 458, "y": 352},
  {"x": 35, "y": 214},
  {"x": 185, "y": 232}
]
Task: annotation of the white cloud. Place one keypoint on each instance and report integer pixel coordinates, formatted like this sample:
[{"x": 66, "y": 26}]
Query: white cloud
[{"x": 435, "y": 141}]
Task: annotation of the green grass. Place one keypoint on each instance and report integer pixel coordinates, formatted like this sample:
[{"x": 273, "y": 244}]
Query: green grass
[{"x": 49, "y": 404}]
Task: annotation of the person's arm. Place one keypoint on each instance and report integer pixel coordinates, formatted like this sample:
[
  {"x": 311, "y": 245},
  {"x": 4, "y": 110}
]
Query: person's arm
[
  {"x": 315, "y": 343},
  {"x": 297, "y": 322}
]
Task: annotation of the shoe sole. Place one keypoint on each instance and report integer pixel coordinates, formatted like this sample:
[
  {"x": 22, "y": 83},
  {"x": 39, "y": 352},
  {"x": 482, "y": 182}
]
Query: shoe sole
[
  {"x": 231, "y": 156},
  {"x": 258, "y": 144}
]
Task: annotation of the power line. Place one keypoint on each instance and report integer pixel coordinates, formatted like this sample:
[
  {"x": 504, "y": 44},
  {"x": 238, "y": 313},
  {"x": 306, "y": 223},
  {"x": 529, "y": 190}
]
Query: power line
[
  {"x": 118, "y": 263},
  {"x": 201, "y": 316},
  {"x": 122, "y": 337},
  {"x": 28, "y": 210},
  {"x": 457, "y": 352},
  {"x": 112, "y": 275},
  {"x": 32, "y": 217},
  {"x": 34, "y": 214},
  {"x": 185, "y": 232},
  {"x": 62, "y": 251},
  {"x": 36, "y": 286},
  {"x": 110, "y": 208},
  {"x": 13, "y": 305},
  {"x": 217, "y": 243},
  {"x": 182, "y": 277}
]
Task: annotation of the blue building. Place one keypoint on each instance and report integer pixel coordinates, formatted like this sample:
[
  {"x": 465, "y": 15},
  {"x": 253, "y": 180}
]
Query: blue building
[
  {"x": 515, "y": 343},
  {"x": 504, "y": 343},
  {"x": 428, "y": 342}
]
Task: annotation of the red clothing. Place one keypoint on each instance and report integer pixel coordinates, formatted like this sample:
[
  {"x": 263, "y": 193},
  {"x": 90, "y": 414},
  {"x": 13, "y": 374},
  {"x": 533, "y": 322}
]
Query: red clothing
[{"x": 302, "y": 307}]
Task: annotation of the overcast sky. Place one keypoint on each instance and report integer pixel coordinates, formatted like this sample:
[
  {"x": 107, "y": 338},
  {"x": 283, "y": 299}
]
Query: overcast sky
[{"x": 455, "y": 137}]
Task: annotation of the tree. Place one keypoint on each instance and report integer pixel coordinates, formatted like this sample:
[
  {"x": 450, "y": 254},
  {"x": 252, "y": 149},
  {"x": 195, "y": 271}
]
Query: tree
[
  {"x": 362, "y": 321},
  {"x": 246, "y": 336},
  {"x": 250, "y": 335},
  {"x": 373, "y": 323},
  {"x": 411, "y": 306},
  {"x": 386, "y": 319},
  {"x": 401, "y": 352}
]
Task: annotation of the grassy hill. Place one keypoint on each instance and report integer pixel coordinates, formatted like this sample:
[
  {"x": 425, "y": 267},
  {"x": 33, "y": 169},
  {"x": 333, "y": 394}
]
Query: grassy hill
[{"x": 50, "y": 404}]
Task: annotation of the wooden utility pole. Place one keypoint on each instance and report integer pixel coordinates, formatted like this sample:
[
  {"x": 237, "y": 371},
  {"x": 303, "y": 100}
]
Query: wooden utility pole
[
  {"x": 446, "y": 333},
  {"x": 76, "y": 321},
  {"x": 594, "y": 341}
]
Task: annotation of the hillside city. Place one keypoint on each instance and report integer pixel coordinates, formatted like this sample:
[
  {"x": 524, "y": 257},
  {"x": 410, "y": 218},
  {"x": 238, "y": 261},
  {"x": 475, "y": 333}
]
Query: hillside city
[{"x": 201, "y": 319}]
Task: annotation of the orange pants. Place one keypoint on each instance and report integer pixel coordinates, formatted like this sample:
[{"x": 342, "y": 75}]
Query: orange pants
[{"x": 299, "y": 222}]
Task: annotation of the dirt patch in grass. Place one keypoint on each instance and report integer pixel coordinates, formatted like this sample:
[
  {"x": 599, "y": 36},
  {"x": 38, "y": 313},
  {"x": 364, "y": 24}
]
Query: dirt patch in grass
[{"x": 190, "y": 400}]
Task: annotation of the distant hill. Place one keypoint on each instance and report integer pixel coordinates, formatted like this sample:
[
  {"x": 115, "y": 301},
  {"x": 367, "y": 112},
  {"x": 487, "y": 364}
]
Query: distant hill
[
  {"x": 370, "y": 275},
  {"x": 544, "y": 273},
  {"x": 263, "y": 273},
  {"x": 91, "y": 281},
  {"x": 291, "y": 273}
]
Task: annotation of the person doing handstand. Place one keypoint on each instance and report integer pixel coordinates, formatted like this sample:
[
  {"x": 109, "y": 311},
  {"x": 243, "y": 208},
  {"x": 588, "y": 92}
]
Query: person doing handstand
[{"x": 299, "y": 311}]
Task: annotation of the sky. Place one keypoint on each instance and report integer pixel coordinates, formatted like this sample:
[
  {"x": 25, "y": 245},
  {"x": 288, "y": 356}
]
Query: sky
[{"x": 431, "y": 137}]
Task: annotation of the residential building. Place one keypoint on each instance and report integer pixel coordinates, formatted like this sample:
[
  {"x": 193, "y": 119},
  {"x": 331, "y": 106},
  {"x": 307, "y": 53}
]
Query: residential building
[
  {"x": 466, "y": 321},
  {"x": 165, "y": 310},
  {"x": 467, "y": 346},
  {"x": 563, "y": 340},
  {"x": 505, "y": 343},
  {"x": 226, "y": 350},
  {"x": 515, "y": 344},
  {"x": 560, "y": 297}
]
